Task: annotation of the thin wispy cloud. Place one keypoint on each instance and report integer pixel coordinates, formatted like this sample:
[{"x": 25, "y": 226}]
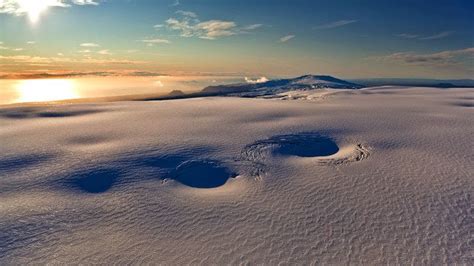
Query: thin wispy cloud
[
  {"x": 85, "y": 2},
  {"x": 104, "y": 52},
  {"x": 335, "y": 24},
  {"x": 36, "y": 60},
  {"x": 31, "y": 42},
  {"x": 286, "y": 38},
  {"x": 440, "y": 35},
  {"x": 68, "y": 74},
  {"x": 186, "y": 13},
  {"x": 436, "y": 36},
  {"x": 151, "y": 42},
  {"x": 89, "y": 44},
  {"x": 189, "y": 25},
  {"x": 407, "y": 36},
  {"x": 175, "y": 3},
  {"x": 441, "y": 59},
  {"x": 16, "y": 49},
  {"x": 252, "y": 27}
]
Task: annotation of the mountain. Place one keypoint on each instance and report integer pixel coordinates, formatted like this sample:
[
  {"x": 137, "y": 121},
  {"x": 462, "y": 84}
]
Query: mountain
[
  {"x": 264, "y": 89},
  {"x": 272, "y": 87}
]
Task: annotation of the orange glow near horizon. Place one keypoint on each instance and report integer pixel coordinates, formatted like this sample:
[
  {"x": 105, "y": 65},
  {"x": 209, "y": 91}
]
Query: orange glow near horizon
[{"x": 43, "y": 90}]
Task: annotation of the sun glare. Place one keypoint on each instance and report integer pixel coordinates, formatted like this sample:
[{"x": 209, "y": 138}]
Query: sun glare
[
  {"x": 43, "y": 90},
  {"x": 34, "y": 8}
]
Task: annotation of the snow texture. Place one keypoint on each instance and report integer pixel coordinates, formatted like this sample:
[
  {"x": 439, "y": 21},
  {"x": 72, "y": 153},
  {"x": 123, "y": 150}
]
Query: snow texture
[{"x": 380, "y": 175}]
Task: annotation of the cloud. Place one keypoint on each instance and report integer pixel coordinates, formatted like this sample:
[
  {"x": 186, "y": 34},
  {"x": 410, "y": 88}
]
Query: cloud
[
  {"x": 158, "y": 83},
  {"x": 141, "y": 73},
  {"x": 175, "y": 3},
  {"x": 254, "y": 81},
  {"x": 158, "y": 26},
  {"x": 252, "y": 27},
  {"x": 10, "y": 48},
  {"x": 35, "y": 60},
  {"x": 151, "y": 42},
  {"x": 18, "y": 7},
  {"x": 190, "y": 26},
  {"x": 85, "y": 2},
  {"x": 286, "y": 38},
  {"x": 407, "y": 35},
  {"x": 31, "y": 42},
  {"x": 335, "y": 24},
  {"x": 440, "y": 35},
  {"x": 181, "y": 25},
  {"x": 447, "y": 58},
  {"x": 215, "y": 28},
  {"x": 66, "y": 74},
  {"x": 186, "y": 13},
  {"x": 89, "y": 44},
  {"x": 104, "y": 52}
]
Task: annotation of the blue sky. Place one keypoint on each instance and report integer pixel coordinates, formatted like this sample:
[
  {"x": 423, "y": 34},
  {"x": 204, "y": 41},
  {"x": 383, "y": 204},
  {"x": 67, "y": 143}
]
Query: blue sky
[{"x": 352, "y": 39}]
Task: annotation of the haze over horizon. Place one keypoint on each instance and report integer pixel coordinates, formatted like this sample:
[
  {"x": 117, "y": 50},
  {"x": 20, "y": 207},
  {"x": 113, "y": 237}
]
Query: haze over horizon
[{"x": 350, "y": 39}]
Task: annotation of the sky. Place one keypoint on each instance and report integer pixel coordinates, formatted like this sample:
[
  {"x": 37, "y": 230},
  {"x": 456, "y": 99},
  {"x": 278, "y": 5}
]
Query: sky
[{"x": 346, "y": 38}]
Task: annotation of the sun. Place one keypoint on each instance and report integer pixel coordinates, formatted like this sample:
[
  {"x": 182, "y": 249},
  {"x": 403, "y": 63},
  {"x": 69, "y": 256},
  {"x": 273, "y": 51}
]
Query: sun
[
  {"x": 34, "y": 8},
  {"x": 44, "y": 90}
]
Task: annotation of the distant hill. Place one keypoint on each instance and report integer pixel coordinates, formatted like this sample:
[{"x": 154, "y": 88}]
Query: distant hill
[{"x": 271, "y": 87}]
